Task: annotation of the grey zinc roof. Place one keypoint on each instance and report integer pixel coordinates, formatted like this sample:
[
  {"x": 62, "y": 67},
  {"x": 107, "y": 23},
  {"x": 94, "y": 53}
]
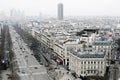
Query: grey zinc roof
[
  {"x": 61, "y": 43},
  {"x": 88, "y": 54},
  {"x": 102, "y": 43}
]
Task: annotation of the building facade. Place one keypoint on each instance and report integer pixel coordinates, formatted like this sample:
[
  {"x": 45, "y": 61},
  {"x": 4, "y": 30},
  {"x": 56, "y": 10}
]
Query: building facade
[
  {"x": 87, "y": 64},
  {"x": 60, "y": 11}
]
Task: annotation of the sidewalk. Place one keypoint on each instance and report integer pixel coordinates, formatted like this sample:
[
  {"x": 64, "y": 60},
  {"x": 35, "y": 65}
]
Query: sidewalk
[
  {"x": 5, "y": 73},
  {"x": 58, "y": 72}
]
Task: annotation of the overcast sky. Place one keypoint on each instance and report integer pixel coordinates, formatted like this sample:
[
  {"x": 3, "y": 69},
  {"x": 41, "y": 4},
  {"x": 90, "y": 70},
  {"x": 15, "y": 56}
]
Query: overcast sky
[{"x": 71, "y": 7}]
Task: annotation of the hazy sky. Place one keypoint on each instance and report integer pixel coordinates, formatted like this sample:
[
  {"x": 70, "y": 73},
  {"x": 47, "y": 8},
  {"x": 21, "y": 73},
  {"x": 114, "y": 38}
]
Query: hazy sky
[{"x": 71, "y": 7}]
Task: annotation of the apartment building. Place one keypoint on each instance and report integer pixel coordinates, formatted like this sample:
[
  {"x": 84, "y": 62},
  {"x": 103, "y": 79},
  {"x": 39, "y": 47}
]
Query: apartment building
[
  {"x": 87, "y": 52},
  {"x": 87, "y": 63}
]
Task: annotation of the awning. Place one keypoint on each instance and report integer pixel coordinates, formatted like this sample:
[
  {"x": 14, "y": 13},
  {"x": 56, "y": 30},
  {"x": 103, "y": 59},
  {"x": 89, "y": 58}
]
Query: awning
[{"x": 59, "y": 60}]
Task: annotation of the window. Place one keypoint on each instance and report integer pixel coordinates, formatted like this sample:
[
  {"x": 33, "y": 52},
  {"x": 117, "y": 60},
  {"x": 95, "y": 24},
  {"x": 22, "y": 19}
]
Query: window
[
  {"x": 98, "y": 62},
  {"x": 101, "y": 62},
  {"x": 88, "y": 72},
  {"x": 91, "y": 71},
  {"x": 88, "y": 62},
  {"x": 102, "y": 67},
  {"x": 91, "y": 62},
  {"x": 81, "y": 67},
  {"x": 84, "y": 72},
  {"x": 84, "y": 62},
  {"x": 81, "y": 62},
  {"x": 81, "y": 72},
  {"x": 94, "y": 62},
  {"x": 84, "y": 67},
  {"x": 91, "y": 50},
  {"x": 91, "y": 67},
  {"x": 88, "y": 67},
  {"x": 98, "y": 66},
  {"x": 94, "y": 72},
  {"x": 67, "y": 59}
]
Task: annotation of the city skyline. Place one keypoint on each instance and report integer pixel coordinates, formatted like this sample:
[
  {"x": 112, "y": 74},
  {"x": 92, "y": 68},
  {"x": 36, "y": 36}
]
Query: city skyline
[
  {"x": 59, "y": 40},
  {"x": 71, "y": 7}
]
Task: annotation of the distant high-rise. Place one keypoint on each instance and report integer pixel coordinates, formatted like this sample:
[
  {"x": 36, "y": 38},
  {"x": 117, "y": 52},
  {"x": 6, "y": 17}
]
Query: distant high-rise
[{"x": 60, "y": 11}]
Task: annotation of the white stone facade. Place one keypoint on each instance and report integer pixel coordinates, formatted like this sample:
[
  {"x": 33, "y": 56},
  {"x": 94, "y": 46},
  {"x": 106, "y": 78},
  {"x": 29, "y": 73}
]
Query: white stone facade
[{"x": 87, "y": 66}]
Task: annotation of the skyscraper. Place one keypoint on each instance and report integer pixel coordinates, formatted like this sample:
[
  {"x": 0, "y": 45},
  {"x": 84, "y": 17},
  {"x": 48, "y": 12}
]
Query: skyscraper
[{"x": 60, "y": 11}]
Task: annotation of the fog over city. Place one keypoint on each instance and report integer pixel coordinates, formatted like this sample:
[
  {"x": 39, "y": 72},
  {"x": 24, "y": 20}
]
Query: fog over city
[
  {"x": 59, "y": 40},
  {"x": 71, "y": 7}
]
